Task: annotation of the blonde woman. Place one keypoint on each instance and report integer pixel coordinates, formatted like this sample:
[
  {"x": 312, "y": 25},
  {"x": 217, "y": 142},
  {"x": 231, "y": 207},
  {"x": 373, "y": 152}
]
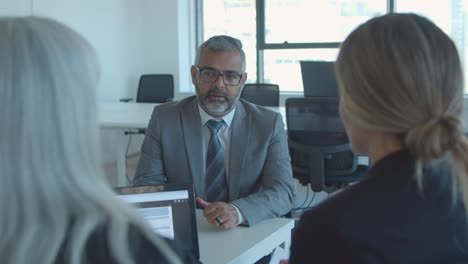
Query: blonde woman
[
  {"x": 401, "y": 93},
  {"x": 55, "y": 204}
]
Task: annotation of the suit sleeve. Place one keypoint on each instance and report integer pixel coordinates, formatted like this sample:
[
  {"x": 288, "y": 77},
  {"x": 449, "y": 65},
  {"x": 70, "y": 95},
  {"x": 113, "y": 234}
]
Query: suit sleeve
[
  {"x": 150, "y": 169},
  {"x": 277, "y": 193}
]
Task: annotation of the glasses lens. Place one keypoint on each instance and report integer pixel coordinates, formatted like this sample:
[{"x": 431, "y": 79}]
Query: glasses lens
[
  {"x": 231, "y": 79},
  {"x": 208, "y": 75}
]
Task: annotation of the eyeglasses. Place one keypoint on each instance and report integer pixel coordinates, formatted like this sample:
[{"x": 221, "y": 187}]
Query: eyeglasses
[{"x": 210, "y": 76}]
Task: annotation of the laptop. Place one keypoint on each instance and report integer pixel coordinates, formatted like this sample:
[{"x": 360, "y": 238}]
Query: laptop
[{"x": 169, "y": 210}]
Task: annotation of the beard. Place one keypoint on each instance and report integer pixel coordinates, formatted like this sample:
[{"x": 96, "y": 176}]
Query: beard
[{"x": 216, "y": 107}]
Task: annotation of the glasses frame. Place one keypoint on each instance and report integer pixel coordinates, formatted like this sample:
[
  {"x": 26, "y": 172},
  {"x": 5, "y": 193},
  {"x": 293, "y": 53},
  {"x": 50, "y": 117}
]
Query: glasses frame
[{"x": 200, "y": 70}]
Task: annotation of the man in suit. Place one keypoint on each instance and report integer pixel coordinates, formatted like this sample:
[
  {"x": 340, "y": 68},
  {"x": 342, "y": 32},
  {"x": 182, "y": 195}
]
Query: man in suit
[{"x": 234, "y": 152}]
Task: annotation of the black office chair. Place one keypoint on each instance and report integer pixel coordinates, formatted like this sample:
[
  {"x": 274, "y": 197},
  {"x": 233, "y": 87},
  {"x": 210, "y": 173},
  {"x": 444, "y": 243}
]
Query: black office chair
[
  {"x": 318, "y": 145},
  {"x": 261, "y": 94},
  {"x": 155, "y": 88}
]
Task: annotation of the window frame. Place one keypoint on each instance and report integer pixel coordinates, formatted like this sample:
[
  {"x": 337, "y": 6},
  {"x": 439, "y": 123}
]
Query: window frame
[{"x": 260, "y": 36}]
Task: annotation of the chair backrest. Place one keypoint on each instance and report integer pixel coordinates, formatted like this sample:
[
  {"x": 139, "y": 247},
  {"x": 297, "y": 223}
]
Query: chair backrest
[
  {"x": 155, "y": 88},
  {"x": 315, "y": 116},
  {"x": 261, "y": 94},
  {"x": 318, "y": 143}
]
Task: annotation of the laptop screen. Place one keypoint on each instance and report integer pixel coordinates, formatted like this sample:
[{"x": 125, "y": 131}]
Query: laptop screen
[{"x": 169, "y": 210}]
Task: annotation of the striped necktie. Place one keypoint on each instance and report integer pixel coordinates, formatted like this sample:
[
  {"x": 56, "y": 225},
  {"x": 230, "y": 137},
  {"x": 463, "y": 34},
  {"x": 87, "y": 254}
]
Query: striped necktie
[{"x": 216, "y": 187}]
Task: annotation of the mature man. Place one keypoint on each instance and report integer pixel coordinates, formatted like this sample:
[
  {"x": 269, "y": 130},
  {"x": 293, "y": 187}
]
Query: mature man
[{"x": 235, "y": 153}]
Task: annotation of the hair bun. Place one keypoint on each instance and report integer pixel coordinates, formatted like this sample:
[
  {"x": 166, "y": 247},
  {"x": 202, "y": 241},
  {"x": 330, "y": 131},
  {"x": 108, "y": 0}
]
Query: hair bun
[{"x": 434, "y": 138}]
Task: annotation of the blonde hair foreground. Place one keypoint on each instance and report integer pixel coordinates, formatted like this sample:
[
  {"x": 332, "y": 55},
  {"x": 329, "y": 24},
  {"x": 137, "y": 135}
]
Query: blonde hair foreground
[
  {"x": 401, "y": 74},
  {"x": 53, "y": 193}
]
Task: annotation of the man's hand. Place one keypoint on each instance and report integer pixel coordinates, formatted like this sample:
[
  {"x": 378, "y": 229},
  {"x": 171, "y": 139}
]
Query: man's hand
[{"x": 220, "y": 214}]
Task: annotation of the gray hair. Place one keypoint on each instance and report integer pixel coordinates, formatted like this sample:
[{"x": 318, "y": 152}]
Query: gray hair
[
  {"x": 401, "y": 74},
  {"x": 221, "y": 43},
  {"x": 53, "y": 193}
]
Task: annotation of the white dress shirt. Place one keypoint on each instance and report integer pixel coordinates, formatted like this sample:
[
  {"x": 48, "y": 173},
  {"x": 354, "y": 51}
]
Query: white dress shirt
[{"x": 224, "y": 135}]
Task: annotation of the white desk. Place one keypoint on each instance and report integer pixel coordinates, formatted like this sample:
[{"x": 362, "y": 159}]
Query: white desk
[
  {"x": 242, "y": 244},
  {"x": 137, "y": 115},
  {"x": 123, "y": 116}
]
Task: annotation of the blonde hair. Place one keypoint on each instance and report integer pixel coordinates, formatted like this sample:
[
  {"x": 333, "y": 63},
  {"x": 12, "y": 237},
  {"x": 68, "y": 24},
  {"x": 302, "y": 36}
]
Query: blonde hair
[
  {"x": 53, "y": 195},
  {"x": 401, "y": 74}
]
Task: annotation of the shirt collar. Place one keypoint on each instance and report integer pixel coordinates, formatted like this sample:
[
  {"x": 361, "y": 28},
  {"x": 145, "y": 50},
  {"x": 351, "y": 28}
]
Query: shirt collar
[{"x": 204, "y": 116}]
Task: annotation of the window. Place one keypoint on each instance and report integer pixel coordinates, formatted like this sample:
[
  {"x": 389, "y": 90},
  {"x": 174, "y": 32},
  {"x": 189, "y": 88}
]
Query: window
[
  {"x": 449, "y": 16},
  {"x": 305, "y": 21},
  {"x": 277, "y": 34},
  {"x": 281, "y": 66},
  {"x": 237, "y": 19}
]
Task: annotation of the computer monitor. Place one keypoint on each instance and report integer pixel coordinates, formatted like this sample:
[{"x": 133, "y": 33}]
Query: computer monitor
[{"x": 318, "y": 79}]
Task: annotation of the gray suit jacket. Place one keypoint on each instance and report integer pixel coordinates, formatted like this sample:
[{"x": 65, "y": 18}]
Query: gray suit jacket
[{"x": 260, "y": 181}]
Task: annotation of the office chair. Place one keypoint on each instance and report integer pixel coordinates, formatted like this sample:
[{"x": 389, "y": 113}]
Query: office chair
[
  {"x": 155, "y": 88},
  {"x": 318, "y": 145},
  {"x": 261, "y": 94}
]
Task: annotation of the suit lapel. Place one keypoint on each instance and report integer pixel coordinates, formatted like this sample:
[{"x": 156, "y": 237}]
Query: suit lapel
[
  {"x": 190, "y": 119},
  {"x": 240, "y": 131}
]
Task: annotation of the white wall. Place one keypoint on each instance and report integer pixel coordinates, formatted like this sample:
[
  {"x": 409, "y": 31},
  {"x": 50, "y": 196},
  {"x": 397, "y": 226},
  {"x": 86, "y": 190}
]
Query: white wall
[
  {"x": 465, "y": 113},
  {"x": 112, "y": 28},
  {"x": 15, "y": 8},
  {"x": 131, "y": 37},
  {"x": 169, "y": 40}
]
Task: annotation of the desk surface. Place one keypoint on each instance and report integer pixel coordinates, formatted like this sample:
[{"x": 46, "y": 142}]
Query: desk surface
[
  {"x": 125, "y": 115},
  {"x": 137, "y": 115},
  {"x": 241, "y": 244}
]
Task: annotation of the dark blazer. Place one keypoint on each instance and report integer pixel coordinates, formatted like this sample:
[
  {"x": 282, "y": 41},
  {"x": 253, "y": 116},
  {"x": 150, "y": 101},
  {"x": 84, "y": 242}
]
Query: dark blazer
[
  {"x": 97, "y": 249},
  {"x": 260, "y": 181},
  {"x": 386, "y": 219}
]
